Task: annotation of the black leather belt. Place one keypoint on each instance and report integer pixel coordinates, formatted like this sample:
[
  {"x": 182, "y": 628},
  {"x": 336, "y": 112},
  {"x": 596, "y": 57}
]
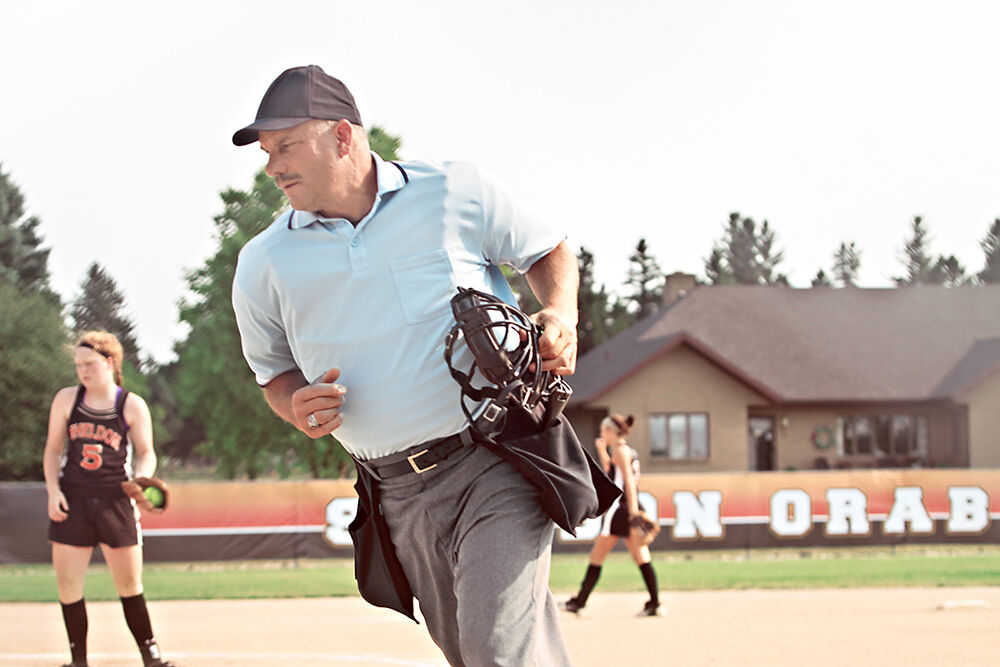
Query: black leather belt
[{"x": 425, "y": 458}]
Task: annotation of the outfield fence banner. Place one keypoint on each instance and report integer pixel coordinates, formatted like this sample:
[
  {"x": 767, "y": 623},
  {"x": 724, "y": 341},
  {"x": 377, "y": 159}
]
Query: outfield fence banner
[{"x": 309, "y": 519}]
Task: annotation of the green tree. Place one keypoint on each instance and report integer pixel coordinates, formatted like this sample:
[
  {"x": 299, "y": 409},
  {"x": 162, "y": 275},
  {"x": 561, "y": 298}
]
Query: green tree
[
  {"x": 593, "y": 306},
  {"x": 386, "y": 145},
  {"x": 645, "y": 278},
  {"x": 22, "y": 261},
  {"x": 212, "y": 382},
  {"x": 746, "y": 255},
  {"x": 100, "y": 306},
  {"x": 991, "y": 249},
  {"x": 518, "y": 282},
  {"x": 917, "y": 261},
  {"x": 34, "y": 364},
  {"x": 846, "y": 263}
]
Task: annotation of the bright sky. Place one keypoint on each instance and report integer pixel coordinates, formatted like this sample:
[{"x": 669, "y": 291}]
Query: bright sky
[{"x": 623, "y": 119}]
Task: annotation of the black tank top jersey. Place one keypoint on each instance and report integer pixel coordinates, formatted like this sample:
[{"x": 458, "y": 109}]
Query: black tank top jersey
[
  {"x": 616, "y": 475},
  {"x": 99, "y": 452}
]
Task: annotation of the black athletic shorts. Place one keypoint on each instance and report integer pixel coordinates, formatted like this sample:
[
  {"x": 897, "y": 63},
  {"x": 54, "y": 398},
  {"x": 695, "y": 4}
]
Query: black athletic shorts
[
  {"x": 619, "y": 520},
  {"x": 95, "y": 519}
]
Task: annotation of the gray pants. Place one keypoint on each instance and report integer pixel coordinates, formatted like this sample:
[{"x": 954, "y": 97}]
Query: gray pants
[{"x": 476, "y": 548}]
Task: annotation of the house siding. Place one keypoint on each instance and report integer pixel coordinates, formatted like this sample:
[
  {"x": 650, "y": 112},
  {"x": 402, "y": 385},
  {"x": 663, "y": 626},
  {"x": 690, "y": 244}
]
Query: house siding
[
  {"x": 795, "y": 448},
  {"x": 685, "y": 381},
  {"x": 984, "y": 423}
]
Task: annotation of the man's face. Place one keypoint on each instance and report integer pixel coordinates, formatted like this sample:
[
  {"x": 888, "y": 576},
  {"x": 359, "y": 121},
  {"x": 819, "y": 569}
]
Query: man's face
[{"x": 303, "y": 161}]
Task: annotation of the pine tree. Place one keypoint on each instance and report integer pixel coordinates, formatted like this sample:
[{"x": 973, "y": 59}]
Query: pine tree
[
  {"x": 593, "y": 306},
  {"x": 646, "y": 280},
  {"x": 745, "y": 255},
  {"x": 821, "y": 279},
  {"x": 991, "y": 249},
  {"x": 23, "y": 263},
  {"x": 918, "y": 262},
  {"x": 947, "y": 271},
  {"x": 101, "y": 305},
  {"x": 846, "y": 263}
]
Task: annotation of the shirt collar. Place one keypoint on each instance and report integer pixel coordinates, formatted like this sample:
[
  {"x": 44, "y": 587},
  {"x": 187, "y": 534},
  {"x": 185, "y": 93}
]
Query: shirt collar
[{"x": 389, "y": 178}]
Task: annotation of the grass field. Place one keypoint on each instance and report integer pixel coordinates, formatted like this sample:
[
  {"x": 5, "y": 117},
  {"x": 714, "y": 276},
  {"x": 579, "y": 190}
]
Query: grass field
[{"x": 846, "y": 567}]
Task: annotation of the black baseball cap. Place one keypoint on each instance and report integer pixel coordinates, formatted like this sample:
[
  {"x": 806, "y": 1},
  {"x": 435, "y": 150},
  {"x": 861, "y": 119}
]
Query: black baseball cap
[{"x": 297, "y": 95}]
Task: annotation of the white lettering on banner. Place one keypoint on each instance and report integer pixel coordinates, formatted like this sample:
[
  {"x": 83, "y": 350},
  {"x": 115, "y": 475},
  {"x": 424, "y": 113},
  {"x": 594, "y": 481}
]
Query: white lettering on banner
[
  {"x": 698, "y": 515},
  {"x": 908, "y": 506},
  {"x": 970, "y": 509},
  {"x": 649, "y": 503},
  {"x": 340, "y": 512},
  {"x": 848, "y": 512},
  {"x": 791, "y": 513}
]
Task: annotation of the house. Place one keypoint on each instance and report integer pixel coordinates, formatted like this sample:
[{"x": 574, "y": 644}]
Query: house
[{"x": 736, "y": 378}]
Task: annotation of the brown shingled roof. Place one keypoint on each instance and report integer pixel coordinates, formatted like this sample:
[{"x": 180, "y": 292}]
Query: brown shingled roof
[{"x": 821, "y": 344}]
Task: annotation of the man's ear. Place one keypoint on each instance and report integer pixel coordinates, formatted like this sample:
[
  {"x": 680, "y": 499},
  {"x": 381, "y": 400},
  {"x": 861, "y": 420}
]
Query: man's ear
[{"x": 344, "y": 133}]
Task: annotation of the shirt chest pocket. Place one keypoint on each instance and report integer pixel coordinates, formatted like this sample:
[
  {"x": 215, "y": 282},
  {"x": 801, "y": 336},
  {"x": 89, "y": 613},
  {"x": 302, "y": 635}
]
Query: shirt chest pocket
[{"x": 425, "y": 284}]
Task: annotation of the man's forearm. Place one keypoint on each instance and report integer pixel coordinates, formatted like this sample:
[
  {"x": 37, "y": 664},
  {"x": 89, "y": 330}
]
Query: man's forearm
[
  {"x": 279, "y": 393},
  {"x": 555, "y": 281}
]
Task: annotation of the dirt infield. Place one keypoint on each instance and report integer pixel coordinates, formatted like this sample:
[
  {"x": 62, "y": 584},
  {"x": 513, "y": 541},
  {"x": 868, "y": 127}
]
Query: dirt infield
[{"x": 883, "y": 627}]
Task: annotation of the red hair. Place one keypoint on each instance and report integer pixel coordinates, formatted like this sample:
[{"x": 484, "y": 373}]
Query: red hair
[{"x": 106, "y": 345}]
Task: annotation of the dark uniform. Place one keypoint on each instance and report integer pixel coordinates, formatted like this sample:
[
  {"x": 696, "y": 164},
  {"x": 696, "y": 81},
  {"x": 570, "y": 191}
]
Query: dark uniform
[
  {"x": 615, "y": 521},
  {"x": 97, "y": 462}
]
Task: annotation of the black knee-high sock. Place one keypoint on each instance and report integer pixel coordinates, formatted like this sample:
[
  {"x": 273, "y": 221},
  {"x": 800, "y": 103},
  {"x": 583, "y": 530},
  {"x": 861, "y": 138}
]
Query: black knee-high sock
[
  {"x": 75, "y": 618},
  {"x": 649, "y": 576},
  {"x": 589, "y": 581},
  {"x": 137, "y": 617}
]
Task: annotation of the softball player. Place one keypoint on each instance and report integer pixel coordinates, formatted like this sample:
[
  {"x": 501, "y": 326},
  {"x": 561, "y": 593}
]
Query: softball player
[
  {"x": 93, "y": 430},
  {"x": 623, "y": 465}
]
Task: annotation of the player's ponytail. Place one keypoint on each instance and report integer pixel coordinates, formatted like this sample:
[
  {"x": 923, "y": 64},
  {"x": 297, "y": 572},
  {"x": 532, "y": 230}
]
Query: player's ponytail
[{"x": 106, "y": 345}]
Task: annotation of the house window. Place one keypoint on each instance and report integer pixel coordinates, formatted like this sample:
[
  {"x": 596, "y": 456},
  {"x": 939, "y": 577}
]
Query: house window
[
  {"x": 679, "y": 436},
  {"x": 882, "y": 434}
]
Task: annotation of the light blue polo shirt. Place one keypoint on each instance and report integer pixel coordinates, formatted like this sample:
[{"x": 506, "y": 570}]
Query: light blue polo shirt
[{"x": 374, "y": 300}]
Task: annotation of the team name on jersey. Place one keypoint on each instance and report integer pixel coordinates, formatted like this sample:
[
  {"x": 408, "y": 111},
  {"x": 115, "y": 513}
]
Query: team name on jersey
[{"x": 98, "y": 432}]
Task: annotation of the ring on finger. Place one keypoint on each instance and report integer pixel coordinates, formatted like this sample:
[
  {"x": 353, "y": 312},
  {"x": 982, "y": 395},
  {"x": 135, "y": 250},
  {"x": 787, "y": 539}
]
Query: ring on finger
[{"x": 311, "y": 420}]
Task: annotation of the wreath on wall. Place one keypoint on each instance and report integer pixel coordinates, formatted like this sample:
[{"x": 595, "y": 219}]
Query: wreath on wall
[{"x": 822, "y": 437}]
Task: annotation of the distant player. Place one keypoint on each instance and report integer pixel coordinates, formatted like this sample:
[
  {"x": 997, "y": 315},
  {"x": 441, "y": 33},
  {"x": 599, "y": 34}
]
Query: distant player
[
  {"x": 93, "y": 430},
  {"x": 622, "y": 464}
]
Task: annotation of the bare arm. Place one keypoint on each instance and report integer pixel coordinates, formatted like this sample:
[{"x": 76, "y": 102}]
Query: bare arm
[
  {"x": 293, "y": 399},
  {"x": 602, "y": 454},
  {"x": 555, "y": 280},
  {"x": 140, "y": 427},
  {"x": 55, "y": 445}
]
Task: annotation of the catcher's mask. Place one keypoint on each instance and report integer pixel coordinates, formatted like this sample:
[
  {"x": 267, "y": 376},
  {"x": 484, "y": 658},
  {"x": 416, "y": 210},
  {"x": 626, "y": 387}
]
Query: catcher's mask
[{"x": 504, "y": 344}]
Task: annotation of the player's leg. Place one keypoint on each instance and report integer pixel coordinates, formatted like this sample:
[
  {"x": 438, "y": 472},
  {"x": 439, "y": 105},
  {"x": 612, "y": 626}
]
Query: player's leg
[
  {"x": 70, "y": 564},
  {"x": 122, "y": 549},
  {"x": 602, "y": 547},
  {"x": 642, "y": 557},
  {"x": 125, "y": 564}
]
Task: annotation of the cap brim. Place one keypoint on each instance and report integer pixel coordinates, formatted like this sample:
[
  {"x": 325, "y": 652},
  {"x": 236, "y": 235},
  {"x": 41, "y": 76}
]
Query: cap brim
[{"x": 249, "y": 134}]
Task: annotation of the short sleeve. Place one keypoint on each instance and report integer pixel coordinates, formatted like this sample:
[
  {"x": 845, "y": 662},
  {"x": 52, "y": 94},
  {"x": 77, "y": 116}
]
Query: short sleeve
[
  {"x": 516, "y": 233},
  {"x": 265, "y": 344}
]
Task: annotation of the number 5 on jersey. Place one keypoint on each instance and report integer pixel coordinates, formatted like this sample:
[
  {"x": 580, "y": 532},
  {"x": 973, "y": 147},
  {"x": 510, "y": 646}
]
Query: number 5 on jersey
[{"x": 92, "y": 457}]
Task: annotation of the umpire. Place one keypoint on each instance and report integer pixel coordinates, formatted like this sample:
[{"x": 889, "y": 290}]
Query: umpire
[{"x": 343, "y": 308}]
